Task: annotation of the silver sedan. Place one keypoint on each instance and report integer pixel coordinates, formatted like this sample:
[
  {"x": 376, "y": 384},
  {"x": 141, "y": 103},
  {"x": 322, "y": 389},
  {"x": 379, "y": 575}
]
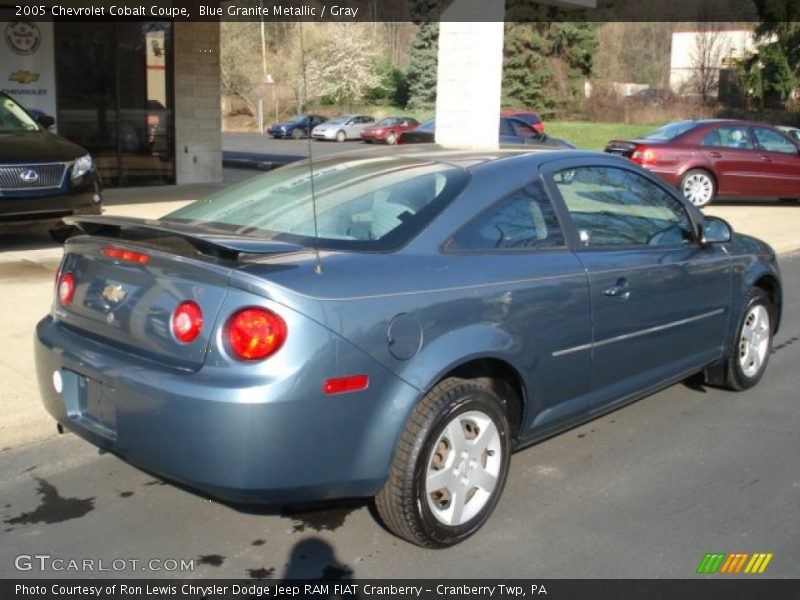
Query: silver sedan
[{"x": 341, "y": 128}]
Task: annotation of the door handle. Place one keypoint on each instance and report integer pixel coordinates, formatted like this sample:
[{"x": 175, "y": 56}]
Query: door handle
[
  {"x": 766, "y": 158},
  {"x": 621, "y": 290},
  {"x": 715, "y": 155}
]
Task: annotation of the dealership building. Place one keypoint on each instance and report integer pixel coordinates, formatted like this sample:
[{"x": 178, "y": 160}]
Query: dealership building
[{"x": 142, "y": 96}]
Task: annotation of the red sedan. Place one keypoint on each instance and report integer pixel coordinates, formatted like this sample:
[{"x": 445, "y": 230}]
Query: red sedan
[
  {"x": 531, "y": 118},
  {"x": 710, "y": 158},
  {"x": 388, "y": 130}
]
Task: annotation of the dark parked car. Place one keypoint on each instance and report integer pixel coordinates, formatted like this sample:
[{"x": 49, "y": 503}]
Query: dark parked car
[
  {"x": 387, "y": 130},
  {"x": 297, "y": 127},
  {"x": 530, "y": 117},
  {"x": 397, "y": 328},
  {"x": 43, "y": 177},
  {"x": 512, "y": 131},
  {"x": 710, "y": 158}
]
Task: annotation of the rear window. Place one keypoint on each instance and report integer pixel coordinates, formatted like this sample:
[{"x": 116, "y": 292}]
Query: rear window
[
  {"x": 374, "y": 204},
  {"x": 671, "y": 131}
]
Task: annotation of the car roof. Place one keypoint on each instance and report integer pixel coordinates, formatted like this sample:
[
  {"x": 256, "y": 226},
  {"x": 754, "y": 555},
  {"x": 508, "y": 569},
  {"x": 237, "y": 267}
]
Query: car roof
[{"x": 464, "y": 159}]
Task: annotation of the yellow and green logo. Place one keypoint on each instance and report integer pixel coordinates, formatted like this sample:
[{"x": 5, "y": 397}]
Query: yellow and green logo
[{"x": 737, "y": 562}]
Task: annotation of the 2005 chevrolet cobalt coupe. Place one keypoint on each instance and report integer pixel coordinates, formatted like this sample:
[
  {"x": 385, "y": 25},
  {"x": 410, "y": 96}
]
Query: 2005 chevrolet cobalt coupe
[{"x": 395, "y": 326}]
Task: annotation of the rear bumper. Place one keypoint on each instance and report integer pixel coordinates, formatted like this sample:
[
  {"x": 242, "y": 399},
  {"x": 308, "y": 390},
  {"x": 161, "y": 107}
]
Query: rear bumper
[{"x": 235, "y": 439}]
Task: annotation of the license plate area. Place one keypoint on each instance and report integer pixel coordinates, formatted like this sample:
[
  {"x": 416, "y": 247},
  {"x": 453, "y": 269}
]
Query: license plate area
[{"x": 90, "y": 403}]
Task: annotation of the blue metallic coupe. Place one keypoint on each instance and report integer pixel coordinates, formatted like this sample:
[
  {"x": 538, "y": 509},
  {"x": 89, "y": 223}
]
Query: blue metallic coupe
[{"x": 395, "y": 325}]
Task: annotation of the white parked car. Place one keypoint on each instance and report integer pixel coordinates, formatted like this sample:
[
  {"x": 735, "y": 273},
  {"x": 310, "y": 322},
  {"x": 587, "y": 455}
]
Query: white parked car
[{"x": 341, "y": 128}]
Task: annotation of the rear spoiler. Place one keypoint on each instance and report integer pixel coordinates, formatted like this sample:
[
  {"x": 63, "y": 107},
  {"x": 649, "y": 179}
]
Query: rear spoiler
[{"x": 219, "y": 245}]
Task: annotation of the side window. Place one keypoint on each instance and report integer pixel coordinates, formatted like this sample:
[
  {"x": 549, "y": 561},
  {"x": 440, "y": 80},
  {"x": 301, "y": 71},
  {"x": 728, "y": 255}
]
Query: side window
[
  {"x": 731, "y": 136},
  {"x": 524, "y": 219},
  {"x": 505, "y": 127},
  {"x": 612, "y": 207},
  {"x": 772, "y": 141}
]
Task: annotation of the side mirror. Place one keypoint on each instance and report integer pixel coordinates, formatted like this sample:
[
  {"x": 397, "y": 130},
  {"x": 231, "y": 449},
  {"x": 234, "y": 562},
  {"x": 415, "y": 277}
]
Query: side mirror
[
  {"x": 45, "y": 121},
  {"x": 715, "y": 230}
]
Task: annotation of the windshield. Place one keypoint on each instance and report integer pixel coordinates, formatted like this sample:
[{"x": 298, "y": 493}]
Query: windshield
[
  {"x": 339, "y": 120},
  {"x": 364, "y": 204},
  {"x": 298, "y": 119},
  {"x": 390, "y": 121},
  {"x": 671, "y": 131},
  {"x": 13, "y": 118}
]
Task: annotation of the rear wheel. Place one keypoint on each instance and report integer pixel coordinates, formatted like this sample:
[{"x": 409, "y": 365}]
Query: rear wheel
[
  {"x": 749, "y": 351},
  {"x": 699, "y": 187},
  {"x": 297, "y": 134},
  {"x": 341, "y": 136},
  {"x": 450, "y": 466}
]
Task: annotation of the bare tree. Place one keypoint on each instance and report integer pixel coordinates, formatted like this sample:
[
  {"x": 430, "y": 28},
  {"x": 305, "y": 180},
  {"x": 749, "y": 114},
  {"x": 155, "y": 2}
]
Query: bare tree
[
  {"x": 240, "y": 67},
  {"x": 709, "y": 48}
]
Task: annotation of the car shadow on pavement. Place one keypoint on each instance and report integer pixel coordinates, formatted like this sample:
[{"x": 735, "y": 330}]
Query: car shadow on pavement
[{"x": 30, "y": 239}]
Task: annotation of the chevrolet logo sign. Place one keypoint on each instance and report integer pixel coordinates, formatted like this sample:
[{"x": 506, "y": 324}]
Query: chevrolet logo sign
[
  {"x": 24, "y": 77},
  {"x": 114, "y": 293}
]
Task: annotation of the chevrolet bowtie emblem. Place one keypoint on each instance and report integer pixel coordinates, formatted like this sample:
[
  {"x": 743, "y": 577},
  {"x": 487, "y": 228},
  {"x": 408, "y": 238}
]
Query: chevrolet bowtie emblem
[
  {"x": 114, "y": 293},
  {"x": 24, "y": 77}
]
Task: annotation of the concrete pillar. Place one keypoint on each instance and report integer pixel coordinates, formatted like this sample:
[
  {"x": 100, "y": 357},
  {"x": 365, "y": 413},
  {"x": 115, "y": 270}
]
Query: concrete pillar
[
  {"x": 469, "y": 73},
  {"x": 198, "y": 137}
]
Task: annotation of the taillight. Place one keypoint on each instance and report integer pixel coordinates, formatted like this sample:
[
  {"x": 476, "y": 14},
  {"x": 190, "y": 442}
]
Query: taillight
[
  {"x": 127, "y": 255},
  {"x": 643, "y": 155},
  {"x": 255, "y": 333},
  {"x": 187, "y": 321},
  {"x": 66, "y": 289}
]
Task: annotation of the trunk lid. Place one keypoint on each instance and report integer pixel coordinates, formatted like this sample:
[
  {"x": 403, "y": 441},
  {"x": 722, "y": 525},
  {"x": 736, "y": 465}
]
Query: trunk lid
[{"x": 128, "y": 303}]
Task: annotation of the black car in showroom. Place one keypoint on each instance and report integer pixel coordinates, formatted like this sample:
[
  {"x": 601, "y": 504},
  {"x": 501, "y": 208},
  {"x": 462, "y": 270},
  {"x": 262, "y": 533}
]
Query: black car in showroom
[{"x": 43, "y": 177}]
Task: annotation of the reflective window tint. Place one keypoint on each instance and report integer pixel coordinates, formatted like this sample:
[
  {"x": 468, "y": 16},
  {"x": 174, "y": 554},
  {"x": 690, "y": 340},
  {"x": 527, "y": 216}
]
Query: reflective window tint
[
  {"x": 616, "y": 207},
  {"x": 772, "y": 141},
  {"x": 525, "y": 219},
  {"x": 731, "y": 136}
]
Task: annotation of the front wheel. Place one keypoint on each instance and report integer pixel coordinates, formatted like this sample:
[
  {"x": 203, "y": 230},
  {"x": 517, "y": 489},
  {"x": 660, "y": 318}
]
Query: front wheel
[
  {"x": 749, "y": 351},
  {"x": 391, "y": 139},
  {"x": 699, "y": 187},
  {"x": 450, "y": 466},
  {"x": 341, "y": 136}
]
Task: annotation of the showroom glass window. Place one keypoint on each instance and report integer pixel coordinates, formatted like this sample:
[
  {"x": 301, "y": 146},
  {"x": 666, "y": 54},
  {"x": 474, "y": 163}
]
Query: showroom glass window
[
  {"x": 614, "y": 207},
  {"x": 115, "y": 97}
]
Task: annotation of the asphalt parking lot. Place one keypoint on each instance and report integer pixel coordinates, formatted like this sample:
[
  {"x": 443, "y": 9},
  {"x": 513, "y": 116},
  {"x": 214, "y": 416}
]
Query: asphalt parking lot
[{"x": 643, "y": 492}]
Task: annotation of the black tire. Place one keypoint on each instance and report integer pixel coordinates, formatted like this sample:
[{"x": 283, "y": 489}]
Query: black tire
[
  {"x": 740, "y": 373},
  {"x": 297, "y": 134},
  {"x": 703, "y": 183},
  {"x": 405, "y": 504},
  {"x": 789, "y": 200},
  {"x": 341, "y": 136},
  {"x": 391, "y": 139}
]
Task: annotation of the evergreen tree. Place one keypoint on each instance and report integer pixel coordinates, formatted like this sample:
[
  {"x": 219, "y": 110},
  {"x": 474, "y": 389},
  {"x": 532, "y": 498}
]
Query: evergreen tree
[
  {"x": 771, "y": 73},
  {"x": 423, "y": 55},
  {"x": 545, "y": 59}
]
